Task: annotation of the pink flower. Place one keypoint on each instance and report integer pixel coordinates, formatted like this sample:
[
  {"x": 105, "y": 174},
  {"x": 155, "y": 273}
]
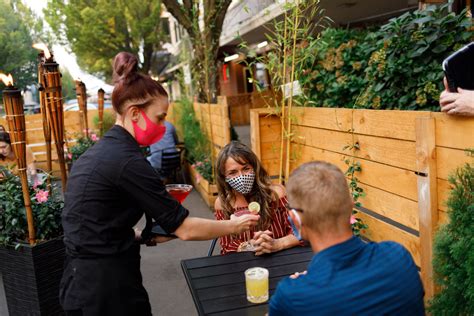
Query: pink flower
[
  {"x": 36, "y": 182},
  {"x": 94, "y": 137},
  {"x": 198, "y": 178},
  {"x": 353, "y": 220},
  {"x": 69, "y": 155},
  {"x": 42, "y": 196},
  {"x": 199, "y": 163}
]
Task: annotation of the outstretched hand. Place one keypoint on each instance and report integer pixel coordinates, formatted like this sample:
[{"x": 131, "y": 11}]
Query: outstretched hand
[{"x": 244, "y": 223}]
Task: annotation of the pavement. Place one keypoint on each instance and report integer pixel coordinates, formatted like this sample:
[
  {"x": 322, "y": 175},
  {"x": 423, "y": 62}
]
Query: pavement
[{"x": 161, "y": 267}]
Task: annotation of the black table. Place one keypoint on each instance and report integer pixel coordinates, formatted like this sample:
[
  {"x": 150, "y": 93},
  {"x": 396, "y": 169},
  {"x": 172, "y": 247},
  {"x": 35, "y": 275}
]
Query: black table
[{"x": 217, "y": 283}]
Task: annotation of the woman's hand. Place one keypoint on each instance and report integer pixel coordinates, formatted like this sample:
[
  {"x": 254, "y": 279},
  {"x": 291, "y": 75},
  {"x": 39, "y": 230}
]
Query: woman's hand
[
  {"x": 243, "y": 223},
  {"x": 264, "y": 243}
]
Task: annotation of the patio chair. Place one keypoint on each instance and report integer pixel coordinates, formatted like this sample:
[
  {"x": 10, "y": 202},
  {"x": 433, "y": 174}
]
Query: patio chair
[
  {"x": 211, "y": 247},
  {"x": 172, "y": 166}
]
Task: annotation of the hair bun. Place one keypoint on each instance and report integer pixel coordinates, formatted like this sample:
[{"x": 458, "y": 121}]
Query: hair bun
[{"x": 125, "y": 67}]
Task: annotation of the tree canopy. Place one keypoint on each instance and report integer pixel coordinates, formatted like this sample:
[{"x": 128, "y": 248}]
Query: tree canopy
[
  {"x": 18, "y": 29},
  {"x": 205, "y": 39},
  {"x": 96, "y": 30}
]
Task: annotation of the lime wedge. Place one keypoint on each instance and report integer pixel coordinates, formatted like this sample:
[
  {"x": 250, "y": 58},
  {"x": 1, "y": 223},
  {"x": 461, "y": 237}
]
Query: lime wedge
[{"x": 254, "y": 207}]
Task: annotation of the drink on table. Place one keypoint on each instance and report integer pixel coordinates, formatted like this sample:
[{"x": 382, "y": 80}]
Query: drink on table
[
  {"x": 256, "y": 282},
  {"x": 179, "y": 191}
]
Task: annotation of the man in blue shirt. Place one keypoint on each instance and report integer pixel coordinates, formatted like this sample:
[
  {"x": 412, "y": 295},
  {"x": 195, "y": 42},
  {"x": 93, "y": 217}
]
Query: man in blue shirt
[
  {"x": 346, "y": 275},
  {"x": 165, "y": 145}
]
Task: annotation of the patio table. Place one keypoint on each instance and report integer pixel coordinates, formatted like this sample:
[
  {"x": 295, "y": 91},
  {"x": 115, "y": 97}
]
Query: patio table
[{"x": 217, "y": 283}]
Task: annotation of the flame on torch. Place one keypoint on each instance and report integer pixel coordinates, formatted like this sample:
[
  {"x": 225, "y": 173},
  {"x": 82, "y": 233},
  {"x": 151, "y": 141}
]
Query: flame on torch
[
  {"x": 7, "y": 80},
  {"x": 44, "y": 48}
]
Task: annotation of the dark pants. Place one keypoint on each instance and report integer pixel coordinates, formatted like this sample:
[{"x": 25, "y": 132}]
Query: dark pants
[{"x": 104, "y": 286}]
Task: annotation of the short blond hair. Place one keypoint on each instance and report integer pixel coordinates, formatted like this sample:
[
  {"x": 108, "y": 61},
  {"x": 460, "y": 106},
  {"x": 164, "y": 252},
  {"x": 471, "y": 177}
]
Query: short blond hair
[{"x": 320, "y": 189}]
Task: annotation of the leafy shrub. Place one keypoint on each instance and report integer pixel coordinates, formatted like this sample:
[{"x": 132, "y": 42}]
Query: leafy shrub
[
  {"x": 454, "y": 250},
  {"x": 204, "y": 168},
  {"x": 397, "y": 66},
  {"x": 46, "y": 210},
  {"x": 108, "y": 121},
  {"x": 83, "y": 143}
]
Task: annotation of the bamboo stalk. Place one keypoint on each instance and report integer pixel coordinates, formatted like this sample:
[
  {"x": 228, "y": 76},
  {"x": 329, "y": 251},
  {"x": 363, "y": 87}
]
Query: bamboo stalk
[
  {"x": 54, "y": 105},
  {"x": 282, "y": 117},
  {"x": 100, "y": 102},
  {"x": 13, "y": 103},
  {"x": 290, "y": 101},
  {"x": 44, "y": 115}
]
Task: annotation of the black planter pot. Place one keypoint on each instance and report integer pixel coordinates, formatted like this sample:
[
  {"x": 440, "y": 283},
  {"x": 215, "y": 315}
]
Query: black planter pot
[{"x": 31, "y": 277}]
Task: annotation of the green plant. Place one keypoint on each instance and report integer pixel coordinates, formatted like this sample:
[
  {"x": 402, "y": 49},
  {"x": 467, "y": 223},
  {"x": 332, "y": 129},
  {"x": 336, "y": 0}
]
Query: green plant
[
  {"x": 454, "y": 249},
  {"x": 83, "y": 143},
  {"x": 46, "y": 209},
  {"x": 195, "y": 141},
  {"x": 397, "y": 66},
  {"x": 108, "y": 121},
  {"x": 204, "y": 168}
]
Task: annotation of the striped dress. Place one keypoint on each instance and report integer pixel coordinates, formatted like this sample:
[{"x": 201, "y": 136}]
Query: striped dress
[{"x": 280, "y": 227}]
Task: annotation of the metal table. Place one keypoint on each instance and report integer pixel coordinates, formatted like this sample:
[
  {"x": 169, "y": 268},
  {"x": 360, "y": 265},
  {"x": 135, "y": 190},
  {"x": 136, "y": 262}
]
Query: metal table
[{"x": 217, "y": 283}]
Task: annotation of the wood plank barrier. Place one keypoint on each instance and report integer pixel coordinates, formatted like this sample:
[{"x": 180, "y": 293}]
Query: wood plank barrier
[
  {"x": 214, "y": 117},
  {"x": 405, "y": 156},
  {"x": 35, "y": 136}
]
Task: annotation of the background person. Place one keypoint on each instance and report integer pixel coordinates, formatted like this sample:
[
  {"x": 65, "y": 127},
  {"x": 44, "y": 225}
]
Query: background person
[
  {"x": 457, "y": 103},
  {"x": 241, "y": 179},
  {"x": 346, "y": 275},
  {"x": 8, "y": 158},
  {"x": 109, "y": 189},
  {"x": 167, "y": 144}
]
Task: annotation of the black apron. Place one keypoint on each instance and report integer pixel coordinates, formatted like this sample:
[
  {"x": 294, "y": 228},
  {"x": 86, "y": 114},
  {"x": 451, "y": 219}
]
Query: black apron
[{"x": 105, "y": 285}]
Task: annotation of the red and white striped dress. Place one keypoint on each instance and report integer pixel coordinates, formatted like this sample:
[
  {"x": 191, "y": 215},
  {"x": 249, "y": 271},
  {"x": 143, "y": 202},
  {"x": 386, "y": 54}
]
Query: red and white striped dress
[{"x": 280, "y": 227}]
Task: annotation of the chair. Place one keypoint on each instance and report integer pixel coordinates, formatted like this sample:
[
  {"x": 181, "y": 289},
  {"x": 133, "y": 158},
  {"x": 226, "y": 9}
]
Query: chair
[
  {"x": 171, "y": 166},
  {"x": 211, "y": 248}
]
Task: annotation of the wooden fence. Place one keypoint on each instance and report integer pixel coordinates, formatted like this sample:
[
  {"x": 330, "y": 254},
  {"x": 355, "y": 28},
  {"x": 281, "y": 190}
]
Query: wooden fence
[
  {"x": 35, "y": 138},
  {"x": 405, "y": 156}
]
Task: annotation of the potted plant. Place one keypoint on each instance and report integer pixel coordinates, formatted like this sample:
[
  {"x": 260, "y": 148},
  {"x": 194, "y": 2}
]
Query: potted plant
[
  {"x": 83, "y": 143},
  {"x": 31, "y": 273}
]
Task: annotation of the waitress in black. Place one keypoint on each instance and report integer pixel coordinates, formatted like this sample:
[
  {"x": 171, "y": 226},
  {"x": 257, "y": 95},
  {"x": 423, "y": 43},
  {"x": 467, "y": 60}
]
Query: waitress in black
[{"x": 110, "y": 187}]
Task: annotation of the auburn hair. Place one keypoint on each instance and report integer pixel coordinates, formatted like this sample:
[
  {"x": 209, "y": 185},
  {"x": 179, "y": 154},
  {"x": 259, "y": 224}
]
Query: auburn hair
[{"x": 132, "y": 87}]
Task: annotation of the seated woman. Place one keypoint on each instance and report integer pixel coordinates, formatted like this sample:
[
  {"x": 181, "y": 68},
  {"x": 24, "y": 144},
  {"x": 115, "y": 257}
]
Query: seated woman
[
  {"x": 241, "y": 179},
  {"x": 8, "y": 159}
]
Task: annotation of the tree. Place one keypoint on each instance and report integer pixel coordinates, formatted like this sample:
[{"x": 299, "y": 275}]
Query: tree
[
  {"x": 17, "y": 32},
  {"x": 205, "y": 41},
  {"x": 97, "y": 30},
  {"x": 69, "y": 86},
  {"x": 454, "y": 249}
]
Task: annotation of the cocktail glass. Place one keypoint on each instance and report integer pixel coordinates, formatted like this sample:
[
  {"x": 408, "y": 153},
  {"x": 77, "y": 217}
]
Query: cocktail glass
[
  {"x": 256, "y": 283},
  {"x": 179, "y": 191}
]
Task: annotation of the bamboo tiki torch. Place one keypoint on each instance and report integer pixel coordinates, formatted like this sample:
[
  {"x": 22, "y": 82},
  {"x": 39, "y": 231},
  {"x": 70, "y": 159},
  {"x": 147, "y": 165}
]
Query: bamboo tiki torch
[
  {"x": 82, "y": 100},
  {"x": 44, "y": 115},
  {"x": 100, "y": 101},
  {"x": 13, "y": 103},
  {"x": 54, "y": 107}
]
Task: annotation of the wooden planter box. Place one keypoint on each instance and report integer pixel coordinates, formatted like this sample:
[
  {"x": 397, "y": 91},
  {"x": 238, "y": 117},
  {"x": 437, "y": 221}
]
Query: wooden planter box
[
  {"x": 208, "y": 191},
  {"x": 31, "y": 277}
]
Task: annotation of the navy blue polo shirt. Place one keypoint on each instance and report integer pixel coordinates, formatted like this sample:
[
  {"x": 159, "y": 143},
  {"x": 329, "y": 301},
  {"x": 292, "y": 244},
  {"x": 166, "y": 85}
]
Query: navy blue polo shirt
[{"x": 354, "y": 278}]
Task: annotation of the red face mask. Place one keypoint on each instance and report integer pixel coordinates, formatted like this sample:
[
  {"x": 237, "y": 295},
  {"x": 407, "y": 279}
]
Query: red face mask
[{"x": 151, "y": 134}]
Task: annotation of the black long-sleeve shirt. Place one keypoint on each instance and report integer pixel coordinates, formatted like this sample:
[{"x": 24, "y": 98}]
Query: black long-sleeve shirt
[{"x": 109, "y": 188}]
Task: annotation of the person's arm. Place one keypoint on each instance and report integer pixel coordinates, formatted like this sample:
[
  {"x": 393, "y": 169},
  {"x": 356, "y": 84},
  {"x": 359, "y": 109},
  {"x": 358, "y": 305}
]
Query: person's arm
[
  {"x": 193, "y": 228},
  {"x": 30, "y": 162}
]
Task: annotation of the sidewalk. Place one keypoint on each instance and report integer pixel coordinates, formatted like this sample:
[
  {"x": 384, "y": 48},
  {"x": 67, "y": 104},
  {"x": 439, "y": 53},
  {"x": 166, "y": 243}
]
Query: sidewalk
[{"x": 161, "y": 268}]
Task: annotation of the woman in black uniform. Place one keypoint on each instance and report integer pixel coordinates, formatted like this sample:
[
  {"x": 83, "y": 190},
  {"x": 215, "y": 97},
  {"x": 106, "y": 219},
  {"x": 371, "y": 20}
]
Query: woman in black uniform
[{"x": 109, "y": 189}]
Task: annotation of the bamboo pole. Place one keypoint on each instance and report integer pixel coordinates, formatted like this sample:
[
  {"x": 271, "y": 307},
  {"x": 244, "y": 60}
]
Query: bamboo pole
[
  {"x": 81, "y": 95},
  {"x": 290, "y": 101},
  {"x": 44, "y": 115},
  {"x": 13, "y": 103},
  {"x": 282, "y": 117},
  {"x": 54, "y": 106},
  {"x": 100, "y": 102}
]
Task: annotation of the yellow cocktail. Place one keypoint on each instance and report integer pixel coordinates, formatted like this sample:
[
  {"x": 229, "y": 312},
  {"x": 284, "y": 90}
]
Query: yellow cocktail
[{"x": 256, "y": 282}]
